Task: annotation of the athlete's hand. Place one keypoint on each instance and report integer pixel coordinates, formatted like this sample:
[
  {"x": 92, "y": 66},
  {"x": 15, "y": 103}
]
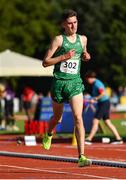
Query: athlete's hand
[
  {"x": 86, "y": 56},
  {"x": 68, "y": 55}
]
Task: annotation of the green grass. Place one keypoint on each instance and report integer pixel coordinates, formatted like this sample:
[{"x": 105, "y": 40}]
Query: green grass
[
  {"x": 104, "y": 132},
  {"x": 120, "y": 124},
  {"x": 20, "y": 124}
]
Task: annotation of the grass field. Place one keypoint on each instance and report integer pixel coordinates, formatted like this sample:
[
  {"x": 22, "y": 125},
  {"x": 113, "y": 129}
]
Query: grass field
[
  {"x": 104, "y": 132},
  {"x": 120, "y": 125},
  {"x": 20, "y": 124}
]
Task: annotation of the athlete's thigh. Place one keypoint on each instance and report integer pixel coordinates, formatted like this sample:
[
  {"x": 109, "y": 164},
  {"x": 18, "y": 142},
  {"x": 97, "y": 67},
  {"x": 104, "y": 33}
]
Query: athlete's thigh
[
  {"x": 56, "y": 90},
  {"x": 76, "y": 103},
  {"x": 57, "y": 109}
]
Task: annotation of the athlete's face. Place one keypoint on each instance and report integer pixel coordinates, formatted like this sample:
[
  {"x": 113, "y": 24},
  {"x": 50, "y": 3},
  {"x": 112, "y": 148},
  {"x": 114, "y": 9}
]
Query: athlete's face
[{"x": 70, "y": 25}]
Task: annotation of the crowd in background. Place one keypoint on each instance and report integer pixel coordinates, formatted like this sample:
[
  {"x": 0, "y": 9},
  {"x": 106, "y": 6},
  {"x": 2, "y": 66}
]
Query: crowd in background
[
  {"x": 117, "y": 97},
  {"x": 29, "y": 102},
  {"x": 7, "y": 117}
]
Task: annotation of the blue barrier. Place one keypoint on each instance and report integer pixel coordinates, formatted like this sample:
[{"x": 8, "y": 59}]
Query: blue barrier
[
  {"x": 67, "y": 124},
  {"x": 46, "y": 110}
]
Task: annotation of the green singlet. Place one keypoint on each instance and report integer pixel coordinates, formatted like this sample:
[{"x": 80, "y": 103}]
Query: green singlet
[
  {"x": 67, "y": 81},
  {"x": 69, "y": 69}
]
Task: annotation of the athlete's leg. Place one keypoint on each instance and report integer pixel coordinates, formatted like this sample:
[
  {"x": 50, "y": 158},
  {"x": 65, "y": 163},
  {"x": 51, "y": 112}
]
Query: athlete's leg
[
  {"x": 76, "y": 103},
  {"x": 113, "y": 129},
  {"x": 93, "y": 129},
  {"x": 57, "y": 116},
  {"x": 47, "y": 138}
]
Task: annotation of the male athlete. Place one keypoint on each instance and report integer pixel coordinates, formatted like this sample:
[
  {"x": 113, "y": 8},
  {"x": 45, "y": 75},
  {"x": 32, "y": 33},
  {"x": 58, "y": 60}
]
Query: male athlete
[{"x": 66, "y": 52}]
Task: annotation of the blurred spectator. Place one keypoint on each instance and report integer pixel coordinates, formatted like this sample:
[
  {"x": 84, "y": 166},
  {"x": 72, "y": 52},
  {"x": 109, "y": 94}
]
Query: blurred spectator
[
  {"x": 2, "y": 120},
  {"x": 124, "y": 94},
  {"x": 114, "y": 99},
  {"x": 9, "y": 110},
  {"x": 108, "y": 91},
  {"x": 38, "y": 107},
  {"x": 49, "y": 94},
  {"x": 29, "y": 99},
  {"x": 120, "y": 92}
]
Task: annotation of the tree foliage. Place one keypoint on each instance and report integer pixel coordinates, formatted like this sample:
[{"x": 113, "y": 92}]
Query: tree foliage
[
  {"x": 28, "y": 26},
  {"x": 25, "y": 26}
]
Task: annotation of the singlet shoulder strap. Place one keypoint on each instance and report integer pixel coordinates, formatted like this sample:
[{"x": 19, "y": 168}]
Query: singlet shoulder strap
[
  {"x": 79, "y": 40},
  {"x": 78, "y": 37},
  {"x": 64, "y": 38}
]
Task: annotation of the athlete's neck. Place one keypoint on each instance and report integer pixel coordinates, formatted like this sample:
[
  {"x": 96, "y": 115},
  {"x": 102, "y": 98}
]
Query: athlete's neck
[
  {"x": 69, "y": 34},
  {"x": 71, "y": 38}
]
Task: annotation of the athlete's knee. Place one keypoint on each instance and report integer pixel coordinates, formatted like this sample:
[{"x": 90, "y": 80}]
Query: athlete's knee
[
  {"x": 78, "y": 119},
  {"x": 77, "y": 116}
]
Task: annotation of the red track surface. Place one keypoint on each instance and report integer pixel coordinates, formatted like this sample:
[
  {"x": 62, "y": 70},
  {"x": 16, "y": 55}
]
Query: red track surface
[{"x": 22, "y": 168}]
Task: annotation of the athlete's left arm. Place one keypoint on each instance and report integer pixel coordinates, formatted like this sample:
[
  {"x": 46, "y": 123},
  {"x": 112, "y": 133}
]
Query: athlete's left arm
[{"x": 86, "y": 56}]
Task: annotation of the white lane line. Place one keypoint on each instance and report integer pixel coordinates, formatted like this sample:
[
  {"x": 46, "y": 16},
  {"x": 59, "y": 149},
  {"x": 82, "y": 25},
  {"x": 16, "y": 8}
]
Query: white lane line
[
  {"x": 56, "y": 172},
  {"x": 108, "y": 158},
  {"x": 98, "y": 147},
  {"x": 71, "y": 168},
  {"x": 109, "y": 148}
]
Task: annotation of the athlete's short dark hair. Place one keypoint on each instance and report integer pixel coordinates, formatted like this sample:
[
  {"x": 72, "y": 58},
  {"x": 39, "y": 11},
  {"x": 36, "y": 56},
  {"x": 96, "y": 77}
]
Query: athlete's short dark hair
[{"x": 68, "y": 13}]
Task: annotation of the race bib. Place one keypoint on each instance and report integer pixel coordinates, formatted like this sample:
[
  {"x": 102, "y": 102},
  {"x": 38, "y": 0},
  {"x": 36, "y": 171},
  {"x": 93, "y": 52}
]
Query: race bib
[{"x": 70, "y": 66}]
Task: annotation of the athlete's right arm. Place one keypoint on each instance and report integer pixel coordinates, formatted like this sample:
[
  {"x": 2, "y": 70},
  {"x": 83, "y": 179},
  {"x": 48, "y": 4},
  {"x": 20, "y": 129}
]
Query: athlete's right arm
[{"x": 55, "y": 44}]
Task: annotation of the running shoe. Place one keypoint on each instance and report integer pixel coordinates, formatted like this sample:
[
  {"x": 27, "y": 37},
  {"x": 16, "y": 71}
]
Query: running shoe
[
  {"x": 47, "y": 141},
  {"x": 83, "y": 161},
  {"x": 120, "y": 141},
  {"x": 88, "y": 142}
]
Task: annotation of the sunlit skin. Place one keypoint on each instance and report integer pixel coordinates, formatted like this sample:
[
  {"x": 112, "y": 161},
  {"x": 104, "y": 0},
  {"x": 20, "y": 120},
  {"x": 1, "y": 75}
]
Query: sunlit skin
[{"x": 70, "y": 26}]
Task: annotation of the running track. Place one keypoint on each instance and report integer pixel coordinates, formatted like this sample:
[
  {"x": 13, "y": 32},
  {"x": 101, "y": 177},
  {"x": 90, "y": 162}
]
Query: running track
[{"x": 22, "y": 168}]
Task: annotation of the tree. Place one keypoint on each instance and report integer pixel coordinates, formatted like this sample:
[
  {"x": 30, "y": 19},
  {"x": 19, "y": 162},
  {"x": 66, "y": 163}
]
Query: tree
[
  {"x": 28, "y": 27},
  {"x": 103, "y": 22}
]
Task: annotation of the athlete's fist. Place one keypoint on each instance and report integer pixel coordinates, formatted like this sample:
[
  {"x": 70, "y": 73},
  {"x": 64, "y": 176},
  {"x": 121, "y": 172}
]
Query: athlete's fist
[
  {"x": 86, "y": 56},
  {"x": 68, "y": 55}
]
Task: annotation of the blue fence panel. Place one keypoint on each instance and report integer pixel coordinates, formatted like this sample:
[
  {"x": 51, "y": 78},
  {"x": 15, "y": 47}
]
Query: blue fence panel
[
  {"x": 67, "y": 124},
  {"x": 46, "y": 110}
]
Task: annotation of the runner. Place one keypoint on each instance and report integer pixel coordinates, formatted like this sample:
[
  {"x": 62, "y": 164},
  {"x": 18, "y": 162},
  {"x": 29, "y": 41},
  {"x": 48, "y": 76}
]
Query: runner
[{"x": 66, "y": 52}]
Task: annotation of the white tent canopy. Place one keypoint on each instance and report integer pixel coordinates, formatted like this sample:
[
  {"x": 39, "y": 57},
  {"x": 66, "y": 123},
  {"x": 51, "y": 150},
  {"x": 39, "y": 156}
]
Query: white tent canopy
[{"x": 15, "y": 64}]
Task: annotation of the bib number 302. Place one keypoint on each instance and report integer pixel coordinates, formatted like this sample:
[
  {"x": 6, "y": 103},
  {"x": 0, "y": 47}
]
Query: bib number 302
[{"x": 69, "y": 66}]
